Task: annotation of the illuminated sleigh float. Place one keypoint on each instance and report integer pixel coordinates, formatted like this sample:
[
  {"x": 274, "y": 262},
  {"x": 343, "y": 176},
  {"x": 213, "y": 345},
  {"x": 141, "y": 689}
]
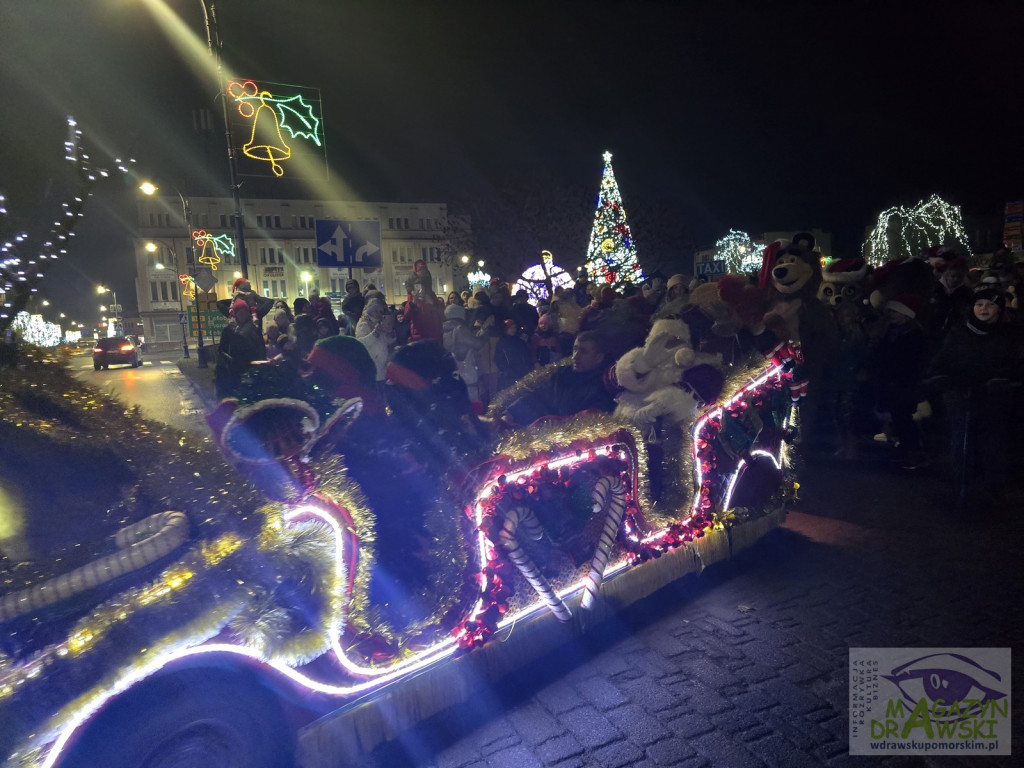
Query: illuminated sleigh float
[
  {"x": 557, "y": 509},
  {"x": 556, "y": 529},
  {"x": 550, "y": 534}
]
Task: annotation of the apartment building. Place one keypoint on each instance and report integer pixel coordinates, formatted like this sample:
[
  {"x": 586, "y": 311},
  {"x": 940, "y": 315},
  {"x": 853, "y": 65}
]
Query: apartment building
[{"x": 280, "y": 243}]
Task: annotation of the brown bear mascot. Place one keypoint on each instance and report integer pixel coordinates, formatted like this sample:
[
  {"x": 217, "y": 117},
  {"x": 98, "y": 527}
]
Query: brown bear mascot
[{"x": 797, "y": 331}]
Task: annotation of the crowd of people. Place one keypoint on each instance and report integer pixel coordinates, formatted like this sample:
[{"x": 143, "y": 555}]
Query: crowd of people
[{"x": 941, "y": 346}]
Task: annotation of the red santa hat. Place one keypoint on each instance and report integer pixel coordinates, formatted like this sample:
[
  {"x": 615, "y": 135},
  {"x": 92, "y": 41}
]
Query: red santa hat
[
  {"x": 235, "y": 286},
  {"x": 846, "y": 271},
  {"x": 768, "y": 258},
  {"x": 907, "y": 304}
]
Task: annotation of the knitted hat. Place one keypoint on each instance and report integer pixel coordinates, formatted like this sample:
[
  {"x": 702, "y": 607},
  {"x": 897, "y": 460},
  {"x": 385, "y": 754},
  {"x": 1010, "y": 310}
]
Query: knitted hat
[
  {"x": 907, "y": 304},
  {"x": 454, "y": 312},
  {"x": 990, "y": 293},
  {"x": 238, "y": 306},
  {"x": 374, "y": 305},
  {"x": 346, "y": 369},
  {"x": 419, "y": 365}
]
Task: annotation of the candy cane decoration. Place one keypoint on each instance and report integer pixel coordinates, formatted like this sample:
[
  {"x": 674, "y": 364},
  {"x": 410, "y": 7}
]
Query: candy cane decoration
[
  {"x": 138, "y": 545},
  {"x": 526, "y": 518},
  {"x": 609, "y": 495}
]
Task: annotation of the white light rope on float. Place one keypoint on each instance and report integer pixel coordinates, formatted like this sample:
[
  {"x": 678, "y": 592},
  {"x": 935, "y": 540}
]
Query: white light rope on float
[
  {"x": 609, "y": 496},
  {"x": 138, "y": 545},
  {"x": 523, "y": 516}
]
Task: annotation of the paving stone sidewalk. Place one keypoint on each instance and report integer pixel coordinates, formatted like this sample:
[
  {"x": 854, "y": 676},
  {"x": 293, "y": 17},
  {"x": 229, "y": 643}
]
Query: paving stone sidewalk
[{"x": 746, "y": 664}]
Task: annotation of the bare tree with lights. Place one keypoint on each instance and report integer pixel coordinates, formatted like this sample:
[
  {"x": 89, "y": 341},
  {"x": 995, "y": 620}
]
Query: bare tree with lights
[{"x": 903, "y": 232}]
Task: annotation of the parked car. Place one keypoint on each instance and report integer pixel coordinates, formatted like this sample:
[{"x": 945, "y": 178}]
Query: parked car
[{"x": 116, "y": 350}]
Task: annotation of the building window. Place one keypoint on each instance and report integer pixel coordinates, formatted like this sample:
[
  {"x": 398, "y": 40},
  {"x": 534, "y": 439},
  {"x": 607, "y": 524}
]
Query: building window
[
  {"x": 266, "y": 288},
  {"x": 277, "y": 222},
  {"x": 223, "y": 220},
  {"x": 405, "y": 223},
  {"x": 153, "y": 291},
  {"x": 391, "y": 223},
  {"x": 163, "y": 291},
  {"x": 259, "y": 221}
]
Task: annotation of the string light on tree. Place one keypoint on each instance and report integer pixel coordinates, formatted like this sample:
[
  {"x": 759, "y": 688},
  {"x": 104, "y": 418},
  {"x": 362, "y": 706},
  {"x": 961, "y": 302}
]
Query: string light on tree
[
  {"x": 611, "y": 255},
  {"x": 903, "y": 232},
  {"x": 541, "y": 280},
  {"x": 740, "y": 253},
  {"x": 20, "y": 274},
  {"x": 35, "y": 330},
  {"x": 479, "y": 278}
]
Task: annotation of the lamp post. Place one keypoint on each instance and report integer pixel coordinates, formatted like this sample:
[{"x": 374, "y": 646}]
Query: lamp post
[
  {"x": 115, "y": 307},
  {"x": 214, "y": 44},
  {"x": 305, "y": 279},
  {"x": 148, "y": 188},
  {"x": 151, "y": 247}
]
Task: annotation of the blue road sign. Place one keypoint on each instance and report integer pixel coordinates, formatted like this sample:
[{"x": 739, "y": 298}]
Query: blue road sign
[{"x": 347, "y": 243}]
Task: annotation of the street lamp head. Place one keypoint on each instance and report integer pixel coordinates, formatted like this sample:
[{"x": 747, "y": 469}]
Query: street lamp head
[
  {"x": 100, "y": 289},
  {"x": 158, "y": 265},
  {"x": 148, "y": 188},
  {"x": 465, "y": 259},
  {"x": 151, "y": 247}
]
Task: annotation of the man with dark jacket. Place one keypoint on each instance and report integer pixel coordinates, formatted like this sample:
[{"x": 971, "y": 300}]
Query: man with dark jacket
[{"x": 570, "y": 389}]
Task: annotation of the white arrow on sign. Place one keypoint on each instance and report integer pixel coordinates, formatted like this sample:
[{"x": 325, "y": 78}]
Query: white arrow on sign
[
  {"x": 336, "y": 244},
  {"x": 367, "y": 250}
]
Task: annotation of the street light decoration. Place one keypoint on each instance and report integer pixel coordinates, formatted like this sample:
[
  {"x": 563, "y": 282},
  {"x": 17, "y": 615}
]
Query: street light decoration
[
  {"x": 188, "y": 285},
  {"x": 282, "y": 122},
  {"x": 207, "y": 249}
]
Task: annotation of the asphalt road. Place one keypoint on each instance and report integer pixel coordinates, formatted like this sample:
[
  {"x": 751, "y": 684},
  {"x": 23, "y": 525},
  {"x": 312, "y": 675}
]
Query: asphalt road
[{"x": 158, "y": 388}]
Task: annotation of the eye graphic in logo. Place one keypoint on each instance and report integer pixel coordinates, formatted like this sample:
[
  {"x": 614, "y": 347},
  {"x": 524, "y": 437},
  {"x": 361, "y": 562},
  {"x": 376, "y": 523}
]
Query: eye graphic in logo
[{"x": 947, "y": 678}]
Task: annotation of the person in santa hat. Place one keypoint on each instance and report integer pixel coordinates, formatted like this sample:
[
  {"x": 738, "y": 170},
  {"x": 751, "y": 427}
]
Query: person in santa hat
[
  {"x": 241, "y": 343},
  {"x": 260, "y": 306}
]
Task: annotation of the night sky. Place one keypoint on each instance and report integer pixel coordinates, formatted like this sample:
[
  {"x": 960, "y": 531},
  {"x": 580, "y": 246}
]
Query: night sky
[{"x": 754, "y": 116}]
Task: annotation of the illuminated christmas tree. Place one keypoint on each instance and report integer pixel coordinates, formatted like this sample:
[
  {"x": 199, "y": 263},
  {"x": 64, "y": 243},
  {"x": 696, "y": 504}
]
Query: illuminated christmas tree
[
  {"x": 611, "y": 256},
  {"x": 903, "y": 232}
]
